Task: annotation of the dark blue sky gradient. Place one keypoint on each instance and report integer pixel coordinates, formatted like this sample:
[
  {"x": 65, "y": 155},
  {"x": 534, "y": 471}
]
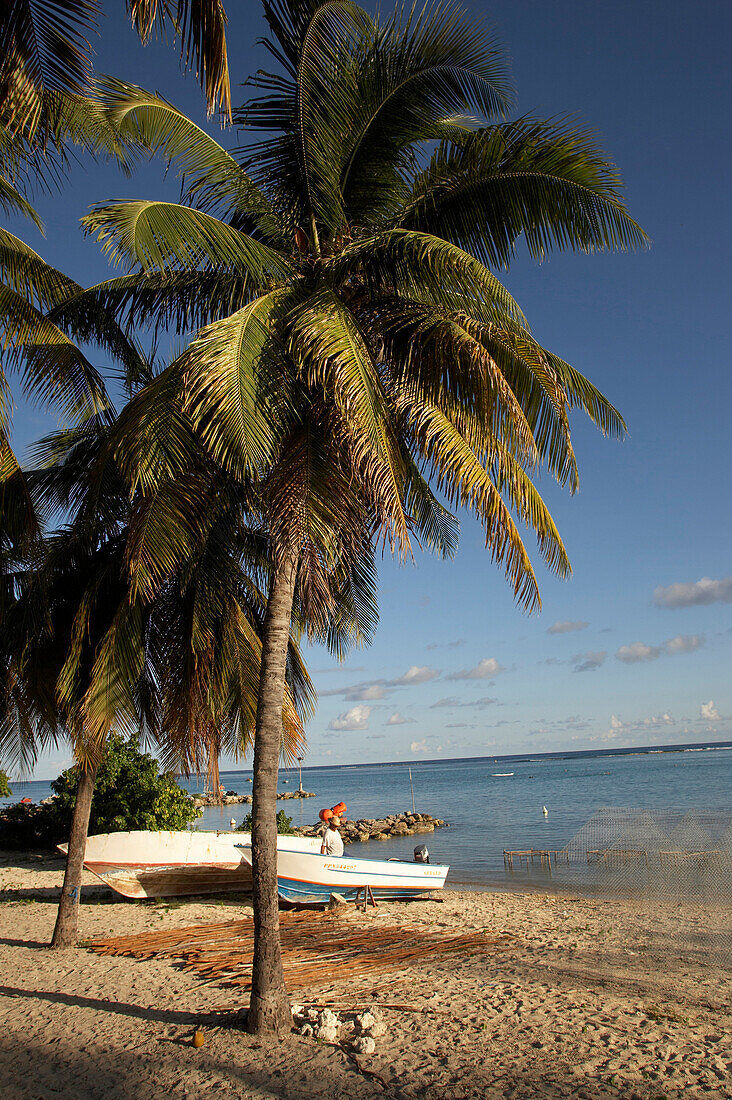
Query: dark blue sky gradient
[{"x": 650, "y": 328}]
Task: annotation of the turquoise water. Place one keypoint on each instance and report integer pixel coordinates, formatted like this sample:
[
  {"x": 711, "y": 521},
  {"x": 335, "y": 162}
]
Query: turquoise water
[{"x": 488, "y": 812}]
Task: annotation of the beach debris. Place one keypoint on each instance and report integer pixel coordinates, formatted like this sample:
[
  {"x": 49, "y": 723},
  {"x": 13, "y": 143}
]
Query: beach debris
[
  {"x": 364, "y": 1044},
  {"x": 306, "y": 1030},
  {"x": 199, "y": 1038},
  {"x": 371, "y": 1023},
  {"x": 328, "y": 1024},
  {"x": 222, "y": 952},
  {"x": 336, "y": 900}
]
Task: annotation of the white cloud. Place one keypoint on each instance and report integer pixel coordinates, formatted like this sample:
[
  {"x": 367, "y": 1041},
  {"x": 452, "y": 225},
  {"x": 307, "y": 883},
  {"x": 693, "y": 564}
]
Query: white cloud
[
  {"x": 417, "y": 674},
  {"x": 588, "y": 662},
  {"x": 684, "y": 643},
  {"x": 419, "y": 746},
  {"x": 638, "y": 651},
  {"x": 489, "y": 666},
  {"x": 398, "y": 719},
  {"x": 368, "y": 692},
  {"x": 357, "y": 718},
  {"x": 620, "y": 728},
  {"x": 709, "y": 712},
  {"x": 566, "y": 627},
  {"x": 698, "y": 592},
  {"x": 454, "y": 701}
]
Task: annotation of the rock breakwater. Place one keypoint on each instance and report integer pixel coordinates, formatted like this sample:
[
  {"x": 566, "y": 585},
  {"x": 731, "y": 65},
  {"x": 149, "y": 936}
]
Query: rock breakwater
[
  {"x": 233, "y": 798},
  {"x": 380, "y": 828}
]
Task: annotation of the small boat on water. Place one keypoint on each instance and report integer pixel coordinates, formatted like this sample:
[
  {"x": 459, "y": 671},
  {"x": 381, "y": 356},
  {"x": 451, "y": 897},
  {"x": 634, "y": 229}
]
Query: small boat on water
[
  {"x": 167, "y": 864},
  {"x": 309, "y": 879},
  {"x": 501, "y": 775}
]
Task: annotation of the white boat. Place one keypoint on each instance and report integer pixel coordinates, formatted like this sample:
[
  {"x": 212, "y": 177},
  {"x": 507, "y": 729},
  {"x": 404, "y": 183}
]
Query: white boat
[
  {"x": 166, "y": 864},
  {"x": 501, "y": 775},
  {"x": 310, "y": 879}
]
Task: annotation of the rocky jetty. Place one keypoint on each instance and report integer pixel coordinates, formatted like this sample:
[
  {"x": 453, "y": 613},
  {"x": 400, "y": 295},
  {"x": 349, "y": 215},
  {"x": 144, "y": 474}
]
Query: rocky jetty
[
  {"x": 381, "y": 828},
  {"x": 233, "y": 798}
]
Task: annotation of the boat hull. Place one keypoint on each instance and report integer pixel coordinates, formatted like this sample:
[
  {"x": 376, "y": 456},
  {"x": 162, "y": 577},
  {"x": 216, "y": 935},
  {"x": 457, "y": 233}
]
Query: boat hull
[
  {"x": 168, "y": 864},
  {"x": 309, "y": 879}
]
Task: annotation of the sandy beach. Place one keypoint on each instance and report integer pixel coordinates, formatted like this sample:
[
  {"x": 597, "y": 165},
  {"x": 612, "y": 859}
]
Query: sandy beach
[{"x": 581, "y": 999}]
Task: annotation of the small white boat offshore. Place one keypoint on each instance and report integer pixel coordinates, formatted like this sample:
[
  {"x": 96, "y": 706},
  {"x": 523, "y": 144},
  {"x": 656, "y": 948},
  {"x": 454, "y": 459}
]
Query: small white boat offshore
[
  {"x": 167, "y": 864},
  {"x": 309, "y": 879}
]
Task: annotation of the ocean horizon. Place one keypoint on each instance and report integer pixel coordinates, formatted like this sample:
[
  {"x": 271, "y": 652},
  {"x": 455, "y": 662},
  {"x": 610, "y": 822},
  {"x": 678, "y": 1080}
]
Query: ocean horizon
[{"x": 491, "y": 803}]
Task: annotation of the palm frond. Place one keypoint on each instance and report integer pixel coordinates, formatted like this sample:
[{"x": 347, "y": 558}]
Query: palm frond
[
  {"x": 13, "y": 202},
  {"x": 465, "y": 482},
  {"x": 53, "y": 369},
  {"x": 210, "y": 175},
  {"x": 165, "y": 237},
  {"x": 43, "y": 48},
  {"x": 545, "y": 183},
  {"x": 201, "y": 27},
  {"x": 229, "y": 369},
  {"x": 426, "y": 268}
]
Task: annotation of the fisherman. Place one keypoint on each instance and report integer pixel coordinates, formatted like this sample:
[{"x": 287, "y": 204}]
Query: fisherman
[{"x": 332, "y": 841}]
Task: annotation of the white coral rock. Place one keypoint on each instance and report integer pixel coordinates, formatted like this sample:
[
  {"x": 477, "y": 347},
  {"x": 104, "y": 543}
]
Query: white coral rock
[
  {"x": 326, "y": 1034},
  {"x": 364, "y": 1045},
  {"x": 296, "y": 1010},
  {"x": 365, "y": 1021},
  {"x": 306, "y": 1030},
  {"x": 328, "y": 1018}
]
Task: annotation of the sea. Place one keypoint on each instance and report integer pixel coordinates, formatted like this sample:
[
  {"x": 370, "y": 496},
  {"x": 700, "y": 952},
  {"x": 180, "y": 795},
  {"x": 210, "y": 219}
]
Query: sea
[{"x": 492, "y": 803}]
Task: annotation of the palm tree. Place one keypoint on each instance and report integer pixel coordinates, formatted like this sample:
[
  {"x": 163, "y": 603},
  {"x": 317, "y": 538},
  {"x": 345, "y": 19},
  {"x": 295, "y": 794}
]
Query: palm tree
[
  {"x": 359, "y": 354},
  {"x": 45, "y": 51},
  {"x": 47, "y": 101},
  {"x": 84, "y": 654}
]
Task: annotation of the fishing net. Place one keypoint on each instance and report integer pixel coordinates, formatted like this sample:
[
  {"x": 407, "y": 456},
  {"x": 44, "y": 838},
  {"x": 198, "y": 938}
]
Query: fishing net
[{"x": 676, "y": 866}]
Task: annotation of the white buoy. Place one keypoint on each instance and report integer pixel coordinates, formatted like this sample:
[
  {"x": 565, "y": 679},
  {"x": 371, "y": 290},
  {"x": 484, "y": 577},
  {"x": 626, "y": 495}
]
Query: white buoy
[
  {"x": 233, "y": 823},
  {"x": 545, "y": 811}
]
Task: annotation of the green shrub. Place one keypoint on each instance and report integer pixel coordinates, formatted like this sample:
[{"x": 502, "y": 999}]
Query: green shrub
[
  {"x": 5, "y": 791},
  {"x": 284, "y": 824},
  {"x": 130, "y": 793}
]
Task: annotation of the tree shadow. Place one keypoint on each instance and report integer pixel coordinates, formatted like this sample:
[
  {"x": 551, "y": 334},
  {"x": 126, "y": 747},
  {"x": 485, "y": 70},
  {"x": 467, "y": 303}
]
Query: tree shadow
[
  {"x": 52, "y": 894},
  {"x": 122, "y": 1008}
]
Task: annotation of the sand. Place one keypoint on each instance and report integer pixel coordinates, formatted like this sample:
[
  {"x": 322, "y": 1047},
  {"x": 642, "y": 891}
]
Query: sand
[{"x": 591, "y": 999}]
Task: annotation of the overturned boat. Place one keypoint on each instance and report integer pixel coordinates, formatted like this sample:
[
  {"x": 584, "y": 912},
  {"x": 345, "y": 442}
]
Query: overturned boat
[{"x": 167, "y": 864}]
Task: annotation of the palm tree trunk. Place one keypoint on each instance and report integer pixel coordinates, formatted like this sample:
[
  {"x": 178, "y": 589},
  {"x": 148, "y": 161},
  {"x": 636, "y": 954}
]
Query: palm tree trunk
[
  {"x": 66, "y": 932},
  {"x": 269, "y": 1010}
]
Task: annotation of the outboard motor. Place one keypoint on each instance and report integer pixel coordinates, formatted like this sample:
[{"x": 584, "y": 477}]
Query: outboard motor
[{"x": 421, "y": 854}]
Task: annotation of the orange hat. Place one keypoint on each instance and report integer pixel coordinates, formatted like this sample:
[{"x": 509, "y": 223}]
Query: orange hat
[
  {"x": 339, "y": 809},
  {"x": 325, "y": 815}
]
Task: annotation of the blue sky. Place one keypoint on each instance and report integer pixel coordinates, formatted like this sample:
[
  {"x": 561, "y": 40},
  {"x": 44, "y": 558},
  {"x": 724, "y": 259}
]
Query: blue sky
[{"x": 635, "y": 648}]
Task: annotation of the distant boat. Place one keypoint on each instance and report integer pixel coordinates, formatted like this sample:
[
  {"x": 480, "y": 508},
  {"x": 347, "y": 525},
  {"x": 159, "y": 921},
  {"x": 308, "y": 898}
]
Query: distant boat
[
  {"x": 501, "y": 775},
  {"x": 166, "y": 864},
  {"x": 310, "y": 878}
]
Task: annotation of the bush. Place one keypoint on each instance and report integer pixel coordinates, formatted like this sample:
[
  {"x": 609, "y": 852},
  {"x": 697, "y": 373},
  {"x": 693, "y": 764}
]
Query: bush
[
  {"x": 130, "y": 793},
  {"x": 284, "y": 824},
  {"x": 5, "y": 791}
]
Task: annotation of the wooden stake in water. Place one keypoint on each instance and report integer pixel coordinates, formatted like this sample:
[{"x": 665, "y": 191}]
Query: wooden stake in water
[{"x": 411, "y": 785}]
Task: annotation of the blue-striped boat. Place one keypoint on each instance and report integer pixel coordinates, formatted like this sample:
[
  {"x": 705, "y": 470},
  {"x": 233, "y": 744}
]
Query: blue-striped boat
[{"x": 309, "y": 879}]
